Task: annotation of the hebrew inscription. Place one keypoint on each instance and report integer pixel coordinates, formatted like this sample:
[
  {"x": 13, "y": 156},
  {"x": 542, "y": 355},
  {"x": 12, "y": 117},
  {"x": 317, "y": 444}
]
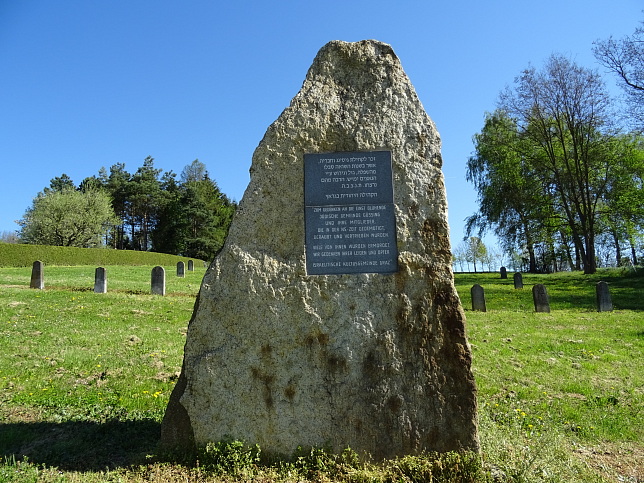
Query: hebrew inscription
[{"x": 349, "y": 213}]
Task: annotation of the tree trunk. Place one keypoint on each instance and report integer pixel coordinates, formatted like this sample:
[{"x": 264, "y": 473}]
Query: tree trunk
[
  {"x": 633, "y": 253},
  {"x": 590, "y": 262},
  {"x": 532, "y": 260},
  {"x": 618, "y": 250}
]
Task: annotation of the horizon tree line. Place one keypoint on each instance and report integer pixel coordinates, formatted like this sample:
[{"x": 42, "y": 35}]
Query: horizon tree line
[
  {"x": 145, "y": 210},
  {"x": 559, "y": 167}
]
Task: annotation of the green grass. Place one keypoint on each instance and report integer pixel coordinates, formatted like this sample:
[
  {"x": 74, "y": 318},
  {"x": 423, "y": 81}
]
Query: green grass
[{"x": 85, "y": 379}]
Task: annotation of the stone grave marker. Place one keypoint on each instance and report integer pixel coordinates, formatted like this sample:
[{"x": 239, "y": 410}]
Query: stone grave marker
[
  {"x": 158, "y": 281},
  {"x": 478, "y": 298},
  {"x": 504, "y": 273},
  {"x": 37, "y": 275},
  {"x": 181, "y": 269},
  {"x": 191, "y": 266},
  {"x": 331, "y": 318},
  {"x": 540, "y": 297},
  {"x": 604, "y": 303},
  {"x": 100, "y": 280},
  {"x": 518, "y": 280}
]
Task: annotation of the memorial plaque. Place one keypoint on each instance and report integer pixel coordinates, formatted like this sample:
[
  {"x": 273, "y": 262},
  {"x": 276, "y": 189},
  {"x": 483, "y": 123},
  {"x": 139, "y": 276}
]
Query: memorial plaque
[{"x": 349, "y": 213}]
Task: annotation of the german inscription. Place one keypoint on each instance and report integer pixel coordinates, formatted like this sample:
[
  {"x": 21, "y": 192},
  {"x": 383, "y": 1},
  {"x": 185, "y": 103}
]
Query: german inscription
[{"x": 349, "y": 213}]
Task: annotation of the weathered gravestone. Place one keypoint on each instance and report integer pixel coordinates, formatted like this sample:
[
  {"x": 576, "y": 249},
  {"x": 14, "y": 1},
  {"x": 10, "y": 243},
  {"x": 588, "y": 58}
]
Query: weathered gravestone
[
  {"x": 540, "y": 298},
  {"x": 478, "y": 298},
  {"x": 100, "y": 280},
  {"x": 604, "y": 303},
  {"x": 518, "y": 280},
  {"x": 504, "y": 273},
  {"x": 376, "y": 361},
  {"x": 157, "y": 283},
  {"x": 37, "y": 275},
  {"x": 181, "y": 269}
]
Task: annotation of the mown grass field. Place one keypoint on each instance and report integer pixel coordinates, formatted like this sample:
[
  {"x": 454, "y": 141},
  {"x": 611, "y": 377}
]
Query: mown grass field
[{"x": 85, "y": 378}]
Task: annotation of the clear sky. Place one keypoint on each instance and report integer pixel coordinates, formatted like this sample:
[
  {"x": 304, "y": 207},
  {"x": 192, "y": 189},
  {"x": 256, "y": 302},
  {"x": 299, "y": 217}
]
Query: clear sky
[{"x": 86, "y": 84}]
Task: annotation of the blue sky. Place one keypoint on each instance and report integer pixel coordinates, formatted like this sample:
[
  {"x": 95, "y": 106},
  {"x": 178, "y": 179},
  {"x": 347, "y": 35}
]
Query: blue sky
[{"x": 86, "y": 84}]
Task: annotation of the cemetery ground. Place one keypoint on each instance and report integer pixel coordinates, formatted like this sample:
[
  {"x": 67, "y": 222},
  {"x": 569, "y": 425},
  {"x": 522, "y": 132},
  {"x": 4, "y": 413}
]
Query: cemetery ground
[{"x": 85, "y": 379}]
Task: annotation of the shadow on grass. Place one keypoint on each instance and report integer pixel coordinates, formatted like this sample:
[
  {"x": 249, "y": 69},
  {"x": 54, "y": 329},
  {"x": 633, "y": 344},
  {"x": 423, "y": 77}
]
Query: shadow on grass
[{"x": 80, "y": 445}]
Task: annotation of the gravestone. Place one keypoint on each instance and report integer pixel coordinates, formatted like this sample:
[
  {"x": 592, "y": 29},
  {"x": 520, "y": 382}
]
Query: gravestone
[
  {"x": 540, "y": 297},
  {"x": 191, "y": 266},
  {"x": 371, "y": 353},
  {"x": 37, "y": 275},
  {"x": 504, "y": 273},
  {"x": 478, "y": 298},
  {"x": 181, "y": 269},
  {"x": 518, "y": 280},
  {"x": 604, "y": 303},
  {"x": 100, "y": 280},
  {"x": 158, "y": 281}
]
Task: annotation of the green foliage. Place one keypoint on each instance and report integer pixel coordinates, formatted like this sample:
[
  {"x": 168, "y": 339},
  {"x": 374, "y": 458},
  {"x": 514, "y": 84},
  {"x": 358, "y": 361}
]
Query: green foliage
[
  {"x": 195, "y": 217},
  {"x": 230, "y": 457},
  {"x": 19, "y": 255},
  {"x": 450, "y": 467},
  {"x": 551, "y": 173},
  {"x": 68, "y": 218},
  {"x": 150, "y": 211},
  {"x": 511, "y": 197}
]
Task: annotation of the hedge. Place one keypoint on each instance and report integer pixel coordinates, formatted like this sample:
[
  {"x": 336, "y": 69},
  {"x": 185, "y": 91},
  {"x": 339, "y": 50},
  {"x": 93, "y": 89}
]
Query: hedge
[{"x": 17, "y": 255}]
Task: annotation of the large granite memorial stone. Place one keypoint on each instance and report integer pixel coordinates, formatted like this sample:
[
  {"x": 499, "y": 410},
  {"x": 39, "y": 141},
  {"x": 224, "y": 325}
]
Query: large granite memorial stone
[{"x": 281, "y": 354}]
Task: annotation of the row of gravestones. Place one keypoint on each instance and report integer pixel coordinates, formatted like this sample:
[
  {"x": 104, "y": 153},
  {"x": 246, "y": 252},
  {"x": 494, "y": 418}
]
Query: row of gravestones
[
  {"x": 157, "y": 284},
  {"x": 540, "y": 296}
]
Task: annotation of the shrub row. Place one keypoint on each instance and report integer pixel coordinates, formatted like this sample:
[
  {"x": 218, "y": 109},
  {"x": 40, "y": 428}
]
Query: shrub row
[{"x": 17, "y": 255}]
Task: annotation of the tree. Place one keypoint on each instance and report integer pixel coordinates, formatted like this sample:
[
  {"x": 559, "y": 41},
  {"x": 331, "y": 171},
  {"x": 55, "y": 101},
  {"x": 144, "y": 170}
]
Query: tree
[
  {"x": 195, "y": 217},
  {"x": 9, "y": 237},
  {"x": 60, "y": 183},
  {"x": 475, "y": 250},
  {"x": 458, "y": 256},
  {"x": 511, "y": 196},
  {"x": 67, "y": 218},
  {"x": 195, "y": 171},
  {"x": 625, "y": 58},
  {"x": 117, "y": 184},
  {"x": 563, "y": 110},
  {"x": 145, "y": 198},
  {"x": 622, "y": 211}
]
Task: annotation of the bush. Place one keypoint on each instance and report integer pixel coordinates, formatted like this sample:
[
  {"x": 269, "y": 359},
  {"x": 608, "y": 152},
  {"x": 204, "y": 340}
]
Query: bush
[
  {"x": 230, "y": 457},
  {"x": 18, "y": 255}
]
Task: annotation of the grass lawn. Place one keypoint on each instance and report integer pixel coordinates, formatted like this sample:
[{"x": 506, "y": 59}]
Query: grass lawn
[{"x": 85, "y": 379}]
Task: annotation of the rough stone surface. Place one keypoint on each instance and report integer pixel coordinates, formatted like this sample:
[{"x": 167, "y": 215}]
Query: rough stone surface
[
  {"x": 100, "y": 280},
  {"x": 518, "y": 280},
  {"x": 379, "y": 363},
  {"x": 37, "y": 275},
  {"x": 604, "y": 303},
  {"x": 157, "y": 281},
  {"x": 478, "y": 298},
  {"x": 540, "y": 297}
]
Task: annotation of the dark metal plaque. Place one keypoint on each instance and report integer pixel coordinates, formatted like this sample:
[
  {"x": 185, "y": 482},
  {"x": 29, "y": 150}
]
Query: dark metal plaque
[{"x": 349, "y": 213}]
